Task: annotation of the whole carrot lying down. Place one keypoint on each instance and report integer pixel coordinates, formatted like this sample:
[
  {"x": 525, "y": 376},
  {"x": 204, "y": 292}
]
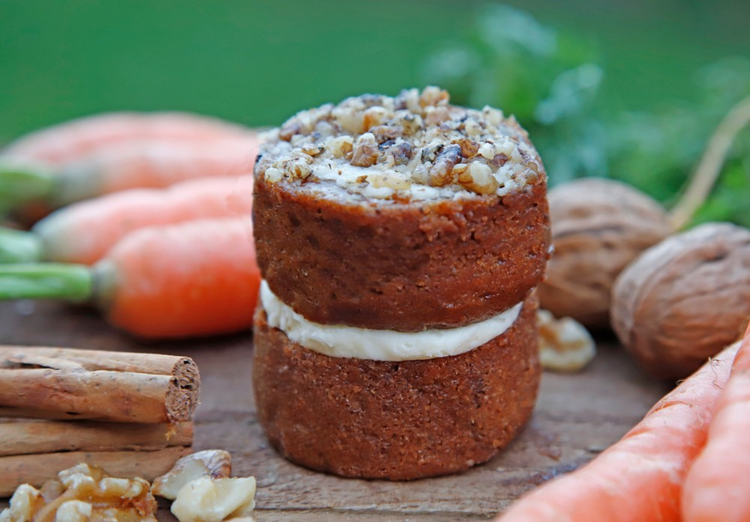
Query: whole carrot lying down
[
  {"x": 104, "y": 154},
  {"x": 188, "y": 279},
  {"x": 85, "y": 231},
  {"x": 125, "y": 166},
  {"x": 640, "y": 478},
  {"x": 717, "y": 488},
  {"x": 76, "y": 139}
]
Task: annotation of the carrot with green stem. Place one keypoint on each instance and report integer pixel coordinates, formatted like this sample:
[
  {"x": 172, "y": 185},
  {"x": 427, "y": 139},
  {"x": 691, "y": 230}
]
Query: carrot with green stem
[
  {"x": 83, "y": 232},
  {"x": 639, "y": 478},
  {"x": 73, "y": 140},
  {"x": 717, "y": 488},
  {"x": 124, "y": 166},
  {"x": 189, "y": 279}
]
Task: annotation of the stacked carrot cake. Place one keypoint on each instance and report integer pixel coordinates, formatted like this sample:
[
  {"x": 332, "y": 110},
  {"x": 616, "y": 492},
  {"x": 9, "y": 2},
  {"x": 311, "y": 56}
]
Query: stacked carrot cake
[{"x": 400, "y": 240}]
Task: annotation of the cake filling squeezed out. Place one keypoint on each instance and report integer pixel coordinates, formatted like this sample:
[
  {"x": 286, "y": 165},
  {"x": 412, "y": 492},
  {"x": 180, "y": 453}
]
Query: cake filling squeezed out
[{"x": 382, "y": 345}]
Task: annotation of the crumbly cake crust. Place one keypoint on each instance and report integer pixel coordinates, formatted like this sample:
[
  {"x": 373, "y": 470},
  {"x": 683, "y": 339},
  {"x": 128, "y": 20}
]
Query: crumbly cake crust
[
  {"x": 402, "y": 266},
  {"x": 395, "y": 420}
]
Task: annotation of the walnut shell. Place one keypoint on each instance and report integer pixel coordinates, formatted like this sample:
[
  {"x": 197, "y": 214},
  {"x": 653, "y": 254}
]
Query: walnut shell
[
  {"x": 685, "y": 299},
  {"x": 598, "y": 227}
]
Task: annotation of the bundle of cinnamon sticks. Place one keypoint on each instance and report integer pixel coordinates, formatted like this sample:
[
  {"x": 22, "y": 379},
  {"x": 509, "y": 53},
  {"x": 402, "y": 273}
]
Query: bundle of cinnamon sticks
[{"x": 129, "y": 413}]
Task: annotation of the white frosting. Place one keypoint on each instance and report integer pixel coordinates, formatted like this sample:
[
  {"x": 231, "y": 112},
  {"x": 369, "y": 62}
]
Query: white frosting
[
  {"x": 382, "y": 184},
  {"x": 381, "y": 345}
]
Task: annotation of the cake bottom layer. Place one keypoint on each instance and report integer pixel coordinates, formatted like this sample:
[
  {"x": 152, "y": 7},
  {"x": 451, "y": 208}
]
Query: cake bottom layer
[{"x": 395, "y": 420}]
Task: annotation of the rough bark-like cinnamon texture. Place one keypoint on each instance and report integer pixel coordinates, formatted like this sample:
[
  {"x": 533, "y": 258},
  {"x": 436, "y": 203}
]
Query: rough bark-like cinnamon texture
[
  {"x": 395, "y": 420},
  {"x": 37, "y": 469},
  {"x": 685, "y": 299},
  {"x": 22, "y": 437},
  {"x": 400, "y": 266},
  {"x": 64, "y": 383}
]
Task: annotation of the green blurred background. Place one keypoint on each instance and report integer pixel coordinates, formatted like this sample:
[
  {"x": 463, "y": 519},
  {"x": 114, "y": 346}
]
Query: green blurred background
[{"x": 257, "y": 62}]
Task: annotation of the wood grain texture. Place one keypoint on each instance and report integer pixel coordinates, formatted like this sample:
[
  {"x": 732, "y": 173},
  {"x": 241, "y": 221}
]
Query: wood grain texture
[{"x": 577, "y": 416}]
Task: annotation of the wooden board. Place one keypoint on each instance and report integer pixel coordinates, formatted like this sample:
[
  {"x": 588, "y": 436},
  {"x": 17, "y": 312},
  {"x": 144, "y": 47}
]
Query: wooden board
[{"x": 577, "y": 416}]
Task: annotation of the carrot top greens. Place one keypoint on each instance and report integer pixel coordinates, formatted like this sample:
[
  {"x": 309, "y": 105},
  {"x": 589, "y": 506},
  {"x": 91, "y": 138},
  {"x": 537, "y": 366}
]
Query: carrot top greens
[
  {"x": 46, "y": 281},
  {"x": 553, "y": 81}
]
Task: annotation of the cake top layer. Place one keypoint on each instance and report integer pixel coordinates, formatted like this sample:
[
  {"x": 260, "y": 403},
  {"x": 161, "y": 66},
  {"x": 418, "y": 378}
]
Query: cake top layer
[{"x": 415, "y": 146}]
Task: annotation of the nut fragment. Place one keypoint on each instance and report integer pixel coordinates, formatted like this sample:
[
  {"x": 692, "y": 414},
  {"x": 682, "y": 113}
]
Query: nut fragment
[
  {"x": 401, "y": 151},
  {"x": 478, "y": 178},
  {"x": 384, "y": 133},
  {"x": 432, "y": 95},
  {"x": 366, "y": 151},
  {"x": 373, "y": 116},
  {"x": 74, "y": 511},
  {"x": 213, "y": 500},
  {"x": 209, "y": 463},
  {"x": 598, "y": 227},
  {"x": 441, "y": 173},
  {"x": 340, "y": 146},
  {"x": 564, "y": 344},
  {"x": 81, "y": 493},
  {"x": 24, "y": 505},
  {"x": 685, "y": 299}
]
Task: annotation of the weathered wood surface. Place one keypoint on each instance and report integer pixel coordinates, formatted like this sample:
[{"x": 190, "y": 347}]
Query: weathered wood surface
[{"x": 577, "y": 416}]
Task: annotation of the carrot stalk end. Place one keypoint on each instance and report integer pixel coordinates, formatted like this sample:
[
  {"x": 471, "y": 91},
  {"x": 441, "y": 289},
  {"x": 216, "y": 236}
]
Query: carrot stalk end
[
  {"x": 19, "y": 247},
  {"x": 20, "y": 183},
  {"x": 46, "y": 281}
]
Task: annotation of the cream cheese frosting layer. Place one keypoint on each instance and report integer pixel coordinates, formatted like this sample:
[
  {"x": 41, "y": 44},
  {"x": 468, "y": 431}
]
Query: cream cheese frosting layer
[{"x": 381, "y": 345}]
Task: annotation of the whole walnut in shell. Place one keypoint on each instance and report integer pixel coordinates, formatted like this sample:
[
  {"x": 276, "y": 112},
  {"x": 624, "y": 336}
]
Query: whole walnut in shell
[
  {"x": 685, "y": 299},
  {"x": 598, "y": 227}
]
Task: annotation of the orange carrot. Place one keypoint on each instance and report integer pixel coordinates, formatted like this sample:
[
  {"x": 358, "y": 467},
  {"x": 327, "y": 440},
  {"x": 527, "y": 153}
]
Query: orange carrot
[
  {"x": 189, "y": 279},
  {"x": 83, "y": 232},
  {"x": 127, "y": 165},
  {"x": 103, "y": 154},
  {"x": 73, "y": 140},
  {"x": 640, "y": 478},
  {"x": 717, "y": 488}
]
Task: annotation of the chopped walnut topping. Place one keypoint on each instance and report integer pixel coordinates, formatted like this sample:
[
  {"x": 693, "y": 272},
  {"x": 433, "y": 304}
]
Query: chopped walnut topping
[
  {"x": 373, "y": 116},
  {"x": 437, "y": 115},
  {"x": 432, "y": 96},
  {"x": 441, "y": 173},
  {"x": 366, "y": 151},
  {"x": 469, "y": 148},
  {"x": 341, "y": 146},
  {"x": 299, "y": 168},
  {"x": 478, "y": 178},
  {"x": 402, "y": 146},
  {"x": 401, "y": 151},
  {"x": 384, "y": 133}
]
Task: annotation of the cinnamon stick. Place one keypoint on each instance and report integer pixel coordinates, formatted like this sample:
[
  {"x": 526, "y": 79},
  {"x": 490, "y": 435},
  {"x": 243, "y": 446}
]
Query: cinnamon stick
[
  {"x": 66, "y": 383},
  {"x": 39, "y": 436},
  {"x": 36, "y": 469}
]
